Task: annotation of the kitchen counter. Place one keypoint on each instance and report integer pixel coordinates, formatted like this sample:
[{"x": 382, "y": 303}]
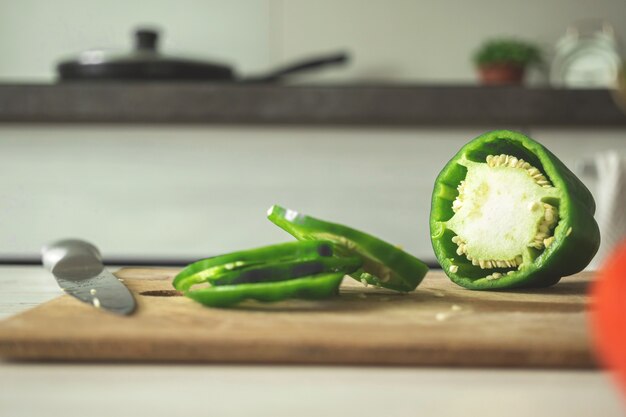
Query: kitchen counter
[
  {"x": 275, "y": 104},
  {"x": 165, "y": 390}
]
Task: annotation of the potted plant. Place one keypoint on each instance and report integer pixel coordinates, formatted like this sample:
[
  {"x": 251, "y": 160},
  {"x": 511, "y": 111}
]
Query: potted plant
[{"x": 504, "y": 61}]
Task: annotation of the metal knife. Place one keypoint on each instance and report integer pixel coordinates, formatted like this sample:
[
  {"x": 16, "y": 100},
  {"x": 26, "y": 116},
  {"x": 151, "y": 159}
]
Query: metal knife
[{"x": 77, "y": 267}]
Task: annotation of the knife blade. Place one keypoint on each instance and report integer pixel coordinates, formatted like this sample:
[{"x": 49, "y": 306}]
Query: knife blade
[{"x": 79, "y": 271}]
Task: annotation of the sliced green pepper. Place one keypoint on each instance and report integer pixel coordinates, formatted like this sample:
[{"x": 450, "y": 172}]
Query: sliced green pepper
[
  {"x": 282, "y": 271},
  {"x": 383, "y": 264},
  {"x": 210, "y": 269},
  {"x": 311, "y": 287},
  {"x": 507, "y": 213},
  {"x": 270, "y": 273}
]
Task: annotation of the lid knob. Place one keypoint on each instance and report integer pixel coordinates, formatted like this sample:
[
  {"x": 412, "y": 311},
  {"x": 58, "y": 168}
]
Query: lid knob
[{"x": 146, "y": 39}]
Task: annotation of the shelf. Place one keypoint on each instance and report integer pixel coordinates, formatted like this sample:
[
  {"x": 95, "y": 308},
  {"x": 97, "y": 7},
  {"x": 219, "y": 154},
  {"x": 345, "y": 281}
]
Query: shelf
[{"x": 372, "y": 105}]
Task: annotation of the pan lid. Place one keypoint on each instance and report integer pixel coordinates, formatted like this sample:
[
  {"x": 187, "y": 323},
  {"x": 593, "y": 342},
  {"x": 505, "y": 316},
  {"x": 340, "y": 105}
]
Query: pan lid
[{"x": 145, "y": 62}]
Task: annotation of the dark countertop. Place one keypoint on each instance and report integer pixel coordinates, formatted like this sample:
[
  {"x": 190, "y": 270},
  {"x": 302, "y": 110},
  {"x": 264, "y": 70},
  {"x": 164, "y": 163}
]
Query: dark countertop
[{"x": 373, "y": 105}]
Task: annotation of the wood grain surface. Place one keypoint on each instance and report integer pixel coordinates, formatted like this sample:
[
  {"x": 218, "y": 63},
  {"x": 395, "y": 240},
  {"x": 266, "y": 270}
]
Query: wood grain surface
[{"x": 440, "y": 324}]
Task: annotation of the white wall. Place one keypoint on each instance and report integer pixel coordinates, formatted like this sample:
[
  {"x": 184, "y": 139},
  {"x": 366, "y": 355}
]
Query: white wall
[
  {"x": 35, "y": 34},
  {"x": 389, "y": 39},
  {"x": 407, "y": 40}
]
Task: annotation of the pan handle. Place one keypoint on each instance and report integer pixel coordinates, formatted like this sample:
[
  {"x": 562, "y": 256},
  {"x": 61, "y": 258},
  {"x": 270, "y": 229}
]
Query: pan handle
[{"x": 300, "y": 66}]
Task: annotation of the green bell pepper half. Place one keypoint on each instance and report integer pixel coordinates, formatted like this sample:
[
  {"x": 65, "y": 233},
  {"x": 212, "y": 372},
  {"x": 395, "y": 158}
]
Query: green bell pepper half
[
  {"x": 576, "y": 236},
  {"x": 383, "y": 264}
]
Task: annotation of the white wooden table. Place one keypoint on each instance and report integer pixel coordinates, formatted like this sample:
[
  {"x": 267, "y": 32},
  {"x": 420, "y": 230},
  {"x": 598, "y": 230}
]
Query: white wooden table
[{"x": 57, "y": 389}]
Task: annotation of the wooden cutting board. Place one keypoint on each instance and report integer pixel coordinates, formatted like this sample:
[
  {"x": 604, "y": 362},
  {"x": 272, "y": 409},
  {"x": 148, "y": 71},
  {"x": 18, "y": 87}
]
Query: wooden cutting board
[{"x": 439, "y": 324}]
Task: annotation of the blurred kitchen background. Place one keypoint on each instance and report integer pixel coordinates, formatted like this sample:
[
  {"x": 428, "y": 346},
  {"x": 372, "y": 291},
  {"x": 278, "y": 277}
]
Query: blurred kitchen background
[{"x": 170, "y": 172}]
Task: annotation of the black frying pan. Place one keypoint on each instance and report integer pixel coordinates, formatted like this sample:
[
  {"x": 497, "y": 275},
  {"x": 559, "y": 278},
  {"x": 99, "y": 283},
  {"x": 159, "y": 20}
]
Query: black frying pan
[{"x": 146, "y": 63}]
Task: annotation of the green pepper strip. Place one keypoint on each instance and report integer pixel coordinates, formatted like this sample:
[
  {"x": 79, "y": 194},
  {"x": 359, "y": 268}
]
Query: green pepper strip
[
  {"x": 281, "y": 271},
  {"x": 208, "y": 269},
  {"x": 311, "y": 287},
  {"x": 383, "y": 264},
  {"x": 576, "y": 237}
]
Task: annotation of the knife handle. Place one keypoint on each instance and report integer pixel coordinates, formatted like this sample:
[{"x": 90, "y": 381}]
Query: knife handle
[{"x": 71, "y": 254}]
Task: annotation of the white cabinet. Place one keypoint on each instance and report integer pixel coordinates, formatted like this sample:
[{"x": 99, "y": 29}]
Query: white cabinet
[{"x": 185, "y": 192}]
